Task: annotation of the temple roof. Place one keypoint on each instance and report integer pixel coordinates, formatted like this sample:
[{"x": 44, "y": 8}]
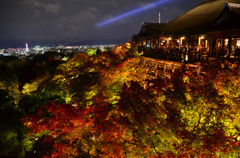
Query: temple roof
[
  {"x": 149, "y": 29},
  {"x": 211, "y": 15}
]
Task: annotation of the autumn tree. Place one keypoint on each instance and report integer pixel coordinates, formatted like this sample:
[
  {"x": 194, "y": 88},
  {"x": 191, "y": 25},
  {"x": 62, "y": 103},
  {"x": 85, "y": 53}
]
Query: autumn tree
[
  {"x": 106, "y": 112},
  {"x": 11, "y": 135}
]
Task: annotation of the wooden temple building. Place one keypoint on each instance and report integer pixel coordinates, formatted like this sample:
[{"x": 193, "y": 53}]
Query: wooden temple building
[
  {"x": 207, "y": 32},
  {"x": 211, "y": 29}
]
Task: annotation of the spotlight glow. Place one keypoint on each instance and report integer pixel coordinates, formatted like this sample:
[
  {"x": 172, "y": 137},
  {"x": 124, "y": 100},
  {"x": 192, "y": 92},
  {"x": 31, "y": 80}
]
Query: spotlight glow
[{"x": 132, "y": 12}]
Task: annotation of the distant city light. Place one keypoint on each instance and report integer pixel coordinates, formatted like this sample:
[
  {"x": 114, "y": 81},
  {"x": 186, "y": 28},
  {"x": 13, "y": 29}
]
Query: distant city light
[
  {"x": 132, "y": 12},
  {"x": 27, "y": 52},
  {"x": 27, "y": 47}
]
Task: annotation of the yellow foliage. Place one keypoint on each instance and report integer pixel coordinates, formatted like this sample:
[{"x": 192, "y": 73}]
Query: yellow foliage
[
  {"x": 33, "y": 86},
  {"x": 30, "y": 87}
]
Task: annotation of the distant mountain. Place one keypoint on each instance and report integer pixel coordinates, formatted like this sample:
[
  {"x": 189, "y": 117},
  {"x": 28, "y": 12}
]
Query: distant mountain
[
  {"x": 21, "y": 44},
  {"x": 99, "y": 42}
]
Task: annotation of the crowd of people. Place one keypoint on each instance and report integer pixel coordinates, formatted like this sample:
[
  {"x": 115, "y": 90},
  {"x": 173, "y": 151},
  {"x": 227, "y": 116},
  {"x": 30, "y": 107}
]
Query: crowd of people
[
  {"x": 237, "y": 52},
  {"x": 179, "y": 54}
]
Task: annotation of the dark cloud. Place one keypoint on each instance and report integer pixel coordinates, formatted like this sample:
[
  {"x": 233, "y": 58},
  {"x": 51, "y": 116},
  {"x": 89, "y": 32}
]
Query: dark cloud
[
  {"x": 76, "y": 20},
  {"x": 49, "y": 6}
]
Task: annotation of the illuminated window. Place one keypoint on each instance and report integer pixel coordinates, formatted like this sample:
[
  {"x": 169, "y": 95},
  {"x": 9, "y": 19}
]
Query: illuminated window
[{"x": 238, "y": 42}]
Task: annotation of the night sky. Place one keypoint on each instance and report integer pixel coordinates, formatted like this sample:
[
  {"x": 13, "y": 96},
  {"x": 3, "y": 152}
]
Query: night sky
[{"x": 41, "y": 21}]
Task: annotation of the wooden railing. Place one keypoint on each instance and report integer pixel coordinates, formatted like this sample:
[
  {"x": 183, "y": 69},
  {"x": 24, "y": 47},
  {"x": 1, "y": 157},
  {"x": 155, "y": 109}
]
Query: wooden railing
[{"x": 156, "y": 68}]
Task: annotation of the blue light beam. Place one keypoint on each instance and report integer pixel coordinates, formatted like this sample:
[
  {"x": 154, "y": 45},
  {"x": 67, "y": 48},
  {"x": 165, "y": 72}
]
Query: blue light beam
[{"x": 132, "y": 12}]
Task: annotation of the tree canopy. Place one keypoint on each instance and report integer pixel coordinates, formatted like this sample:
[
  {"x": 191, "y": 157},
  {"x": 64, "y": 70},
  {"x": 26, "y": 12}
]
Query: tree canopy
[{"x": 98, "y": 106}]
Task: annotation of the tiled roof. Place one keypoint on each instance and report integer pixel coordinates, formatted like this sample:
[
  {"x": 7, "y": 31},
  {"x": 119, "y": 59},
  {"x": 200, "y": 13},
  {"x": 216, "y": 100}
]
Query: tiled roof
[{"x": 207, "y": 16}]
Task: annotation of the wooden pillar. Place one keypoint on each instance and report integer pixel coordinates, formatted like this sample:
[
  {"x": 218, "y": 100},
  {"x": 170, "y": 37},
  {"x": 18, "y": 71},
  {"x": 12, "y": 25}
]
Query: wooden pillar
[
  {"x": 213, "y": 47},
  {"x": 181, "y": 42},
  {"x": 159, "y": 42},
  {"x": 168, "y": 43},
  {"x": 174, "y": 45},
  {"x": 187, "y": 53},
  {"x": 207, "y": 44},
  {"x": 229, "y": 46},
  {"x": 199, "y": 48},
  {"x": 223, "y": 43},
  {"x": 150, "y": 45},
  {"x": 234, "y": 43},
  {"x": 209, "y": 48},
  {"x": 188, "y": 41},
  {"x": 199, "y": 43}
]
